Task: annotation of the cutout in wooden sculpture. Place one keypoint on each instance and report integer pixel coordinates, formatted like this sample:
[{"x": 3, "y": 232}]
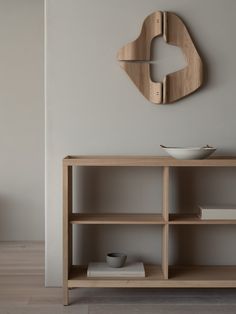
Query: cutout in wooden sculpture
[{"x": 135, "y": 57}]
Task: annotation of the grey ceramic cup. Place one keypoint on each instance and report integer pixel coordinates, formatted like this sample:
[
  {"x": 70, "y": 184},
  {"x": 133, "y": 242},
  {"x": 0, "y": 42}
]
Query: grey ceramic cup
[{"x": 116, "y": 260}]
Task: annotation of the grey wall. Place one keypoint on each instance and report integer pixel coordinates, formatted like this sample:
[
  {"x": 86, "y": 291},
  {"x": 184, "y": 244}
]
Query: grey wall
[
  {"x": 21, "y": 120},
  {"x": 93, "y": 108}
]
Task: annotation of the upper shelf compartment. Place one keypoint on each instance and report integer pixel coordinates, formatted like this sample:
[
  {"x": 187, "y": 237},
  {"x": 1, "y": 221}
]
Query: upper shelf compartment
[{"x": 148, "y": 161}]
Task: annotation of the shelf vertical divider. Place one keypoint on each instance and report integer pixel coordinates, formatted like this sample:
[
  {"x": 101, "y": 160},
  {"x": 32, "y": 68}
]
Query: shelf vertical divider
[
  {"x": 165, "y": 228},
  {"x": 67, "y": 229}
]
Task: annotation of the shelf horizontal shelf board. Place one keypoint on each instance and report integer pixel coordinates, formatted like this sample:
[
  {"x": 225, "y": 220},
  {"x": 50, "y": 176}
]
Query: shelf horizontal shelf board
[
  {"x": 78, "y": 278},
  {"x": 117, "y": 219},
  {"x": 211, "y": 276},
  {"x": 151, "y": 161},
  {"x": 194, "y": 219},
  {"x": 180, "y": 277}
]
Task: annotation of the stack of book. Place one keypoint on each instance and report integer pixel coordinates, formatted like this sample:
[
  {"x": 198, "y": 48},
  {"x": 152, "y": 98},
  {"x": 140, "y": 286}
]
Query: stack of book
[
  {"x": 103, "y": 270},
  {"x": 218, "y": 212}
]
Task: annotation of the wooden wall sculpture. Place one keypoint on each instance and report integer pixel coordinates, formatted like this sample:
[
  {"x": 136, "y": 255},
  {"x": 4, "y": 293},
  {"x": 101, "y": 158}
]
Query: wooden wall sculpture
[{"x": 175, "y": 85}]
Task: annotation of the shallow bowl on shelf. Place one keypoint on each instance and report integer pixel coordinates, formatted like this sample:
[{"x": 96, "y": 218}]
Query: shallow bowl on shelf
[
  {"x": 189, "y": 152},
  {"x": 116, "y": 260}
]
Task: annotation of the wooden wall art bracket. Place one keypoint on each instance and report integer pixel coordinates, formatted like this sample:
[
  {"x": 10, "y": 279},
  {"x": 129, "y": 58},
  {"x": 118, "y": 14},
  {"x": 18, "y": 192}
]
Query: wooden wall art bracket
[{"x": 135, "y": 59}]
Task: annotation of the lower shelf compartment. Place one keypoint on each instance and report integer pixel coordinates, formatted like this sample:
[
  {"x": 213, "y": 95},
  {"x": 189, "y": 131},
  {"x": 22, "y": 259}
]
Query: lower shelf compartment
[
  {"x": 203, "y": 276},
  {"x": 78, "y": 278},
  {"x": 179, "y": 277}
]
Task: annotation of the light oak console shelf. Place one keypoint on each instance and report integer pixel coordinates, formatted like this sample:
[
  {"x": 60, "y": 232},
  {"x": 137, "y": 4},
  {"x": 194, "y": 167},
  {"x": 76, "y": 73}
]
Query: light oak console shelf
[{"x": 156, "y": 275}]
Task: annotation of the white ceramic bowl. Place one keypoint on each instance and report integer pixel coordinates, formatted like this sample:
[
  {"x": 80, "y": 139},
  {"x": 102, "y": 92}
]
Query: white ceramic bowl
[{"x": 189, "y": 152}]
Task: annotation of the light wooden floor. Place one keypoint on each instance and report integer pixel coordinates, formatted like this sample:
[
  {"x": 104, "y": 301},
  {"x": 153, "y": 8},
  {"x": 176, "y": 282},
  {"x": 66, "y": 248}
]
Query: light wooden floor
[{"x": 22, "y": 292}]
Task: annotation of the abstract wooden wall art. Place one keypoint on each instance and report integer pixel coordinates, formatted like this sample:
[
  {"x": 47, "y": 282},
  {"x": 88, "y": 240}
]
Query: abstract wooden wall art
[{"x": 135, "y": 57}]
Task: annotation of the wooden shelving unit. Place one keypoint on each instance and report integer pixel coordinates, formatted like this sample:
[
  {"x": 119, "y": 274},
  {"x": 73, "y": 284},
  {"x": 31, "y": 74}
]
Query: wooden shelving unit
[{"x": 156, "y": 275}]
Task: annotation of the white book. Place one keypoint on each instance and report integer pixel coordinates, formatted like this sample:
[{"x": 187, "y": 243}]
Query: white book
[
  {"x": 103, "y": 270},
  {"x": 218, "y": 212}
]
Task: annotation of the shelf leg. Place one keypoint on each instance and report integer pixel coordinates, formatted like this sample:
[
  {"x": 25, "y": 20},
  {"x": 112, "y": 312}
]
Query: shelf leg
[
  {"x": 67, "y": 229},
  {"x": 65, "y": 296}
]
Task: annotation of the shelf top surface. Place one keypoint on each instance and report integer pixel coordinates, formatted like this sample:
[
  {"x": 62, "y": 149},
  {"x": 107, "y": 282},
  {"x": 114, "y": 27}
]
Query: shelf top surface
[{"x": 119, "y": 160}]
